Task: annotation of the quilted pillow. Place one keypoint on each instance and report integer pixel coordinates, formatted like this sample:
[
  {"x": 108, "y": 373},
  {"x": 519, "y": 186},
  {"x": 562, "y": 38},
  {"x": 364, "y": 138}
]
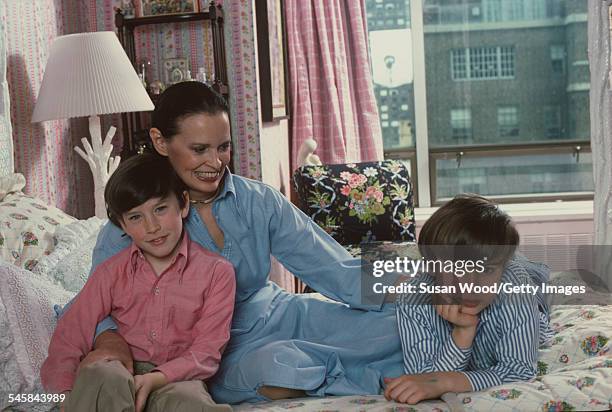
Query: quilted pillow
[
  {"x": 27, "y": 320},
  {"x": 359, "y": 202},
  {"x": 27, "y": 228},
  {"x": 70, "y": 262}
]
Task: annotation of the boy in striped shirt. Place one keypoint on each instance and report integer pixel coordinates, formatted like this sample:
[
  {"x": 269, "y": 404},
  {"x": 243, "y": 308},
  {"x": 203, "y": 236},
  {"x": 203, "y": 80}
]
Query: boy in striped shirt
[{"x": 454, "y": 342}]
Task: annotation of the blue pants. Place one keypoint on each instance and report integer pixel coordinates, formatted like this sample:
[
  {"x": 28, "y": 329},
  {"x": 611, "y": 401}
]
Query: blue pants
[{"x": 300, "y": 342}]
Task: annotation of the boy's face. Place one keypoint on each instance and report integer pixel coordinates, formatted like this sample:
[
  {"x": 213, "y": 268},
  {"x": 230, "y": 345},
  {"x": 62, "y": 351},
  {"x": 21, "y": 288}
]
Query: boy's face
[
  {"x": 472, "y": 303},
  {"x": 156, "y": 225}
]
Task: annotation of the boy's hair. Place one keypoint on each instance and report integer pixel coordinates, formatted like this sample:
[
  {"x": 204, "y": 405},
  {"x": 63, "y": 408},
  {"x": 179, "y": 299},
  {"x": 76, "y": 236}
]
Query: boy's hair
[
  {"x": 139, "y": 179},
  {"x": 473, "y": 222}
]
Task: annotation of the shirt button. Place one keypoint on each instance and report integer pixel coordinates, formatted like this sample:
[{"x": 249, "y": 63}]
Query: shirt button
[
  {"x": 156, "y": 291},
  {"x": 153, "y": 334}
]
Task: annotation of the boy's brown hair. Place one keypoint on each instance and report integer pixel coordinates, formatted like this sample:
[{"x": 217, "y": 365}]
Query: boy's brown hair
[
  {"x": 138, "y": 179},
  {"x": 473, "y": 222}
]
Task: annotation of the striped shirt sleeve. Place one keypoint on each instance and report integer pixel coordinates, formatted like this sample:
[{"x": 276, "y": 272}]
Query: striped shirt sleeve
[
  {"x": 427, "y": 346},
  {"x": 515, "y": 351}
]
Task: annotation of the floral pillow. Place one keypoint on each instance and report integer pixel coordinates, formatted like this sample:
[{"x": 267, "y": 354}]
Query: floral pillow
[
  {"x": 359, "y": 202},
  {"x": 27, "y": 227}
]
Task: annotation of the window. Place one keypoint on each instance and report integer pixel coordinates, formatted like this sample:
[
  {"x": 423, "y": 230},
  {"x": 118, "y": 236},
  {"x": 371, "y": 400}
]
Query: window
[
  {"x": 461, "y": 124},
  {"x": 552, "y": 121},
  {"x": 557, "y": 58},
  {"x": 497, "y": 121},
  {"x": 482, "y": 63},
  {"x": 507, "y": 121}
]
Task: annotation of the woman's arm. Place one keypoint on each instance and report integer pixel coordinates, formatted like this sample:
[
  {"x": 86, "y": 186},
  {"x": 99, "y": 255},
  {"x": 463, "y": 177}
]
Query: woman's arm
[{"x": 316, "y": 258}]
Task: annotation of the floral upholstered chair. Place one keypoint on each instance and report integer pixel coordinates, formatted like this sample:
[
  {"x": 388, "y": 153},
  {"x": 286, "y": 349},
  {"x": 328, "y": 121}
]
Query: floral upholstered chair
[{"x": 359, "y": 202}]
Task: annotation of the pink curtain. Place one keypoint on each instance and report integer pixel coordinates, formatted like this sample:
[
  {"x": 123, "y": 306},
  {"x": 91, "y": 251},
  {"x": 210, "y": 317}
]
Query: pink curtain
[{"x": 331, "y": 83}]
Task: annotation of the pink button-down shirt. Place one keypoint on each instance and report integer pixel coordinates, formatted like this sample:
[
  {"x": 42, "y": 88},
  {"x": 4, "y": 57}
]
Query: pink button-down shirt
[{"x": 179, "y": 320}]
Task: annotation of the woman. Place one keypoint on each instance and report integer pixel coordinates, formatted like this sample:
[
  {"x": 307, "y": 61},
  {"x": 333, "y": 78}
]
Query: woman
[{"x": 282, "y": 345}]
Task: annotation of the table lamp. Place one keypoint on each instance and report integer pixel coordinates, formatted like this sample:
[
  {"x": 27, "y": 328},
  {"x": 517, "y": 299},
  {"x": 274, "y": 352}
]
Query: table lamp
[{"x": 89, "y": 74}]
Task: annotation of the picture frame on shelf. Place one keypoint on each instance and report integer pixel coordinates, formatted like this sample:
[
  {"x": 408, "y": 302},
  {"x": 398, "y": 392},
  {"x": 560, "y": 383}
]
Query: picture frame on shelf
[
  {"x": 272, "y": 53},
  {"x": 175, "y": 70},
  {"x": 148, "y": 8}
]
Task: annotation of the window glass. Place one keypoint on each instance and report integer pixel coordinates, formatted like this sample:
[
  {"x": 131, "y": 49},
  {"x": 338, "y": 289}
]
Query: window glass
[
  {"x": 507, "y": 121},
  {"x": 461, "y": 124}
]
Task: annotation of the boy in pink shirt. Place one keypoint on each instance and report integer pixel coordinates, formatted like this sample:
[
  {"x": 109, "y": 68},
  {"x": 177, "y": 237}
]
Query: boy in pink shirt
[{"x": 171, "y": 299}]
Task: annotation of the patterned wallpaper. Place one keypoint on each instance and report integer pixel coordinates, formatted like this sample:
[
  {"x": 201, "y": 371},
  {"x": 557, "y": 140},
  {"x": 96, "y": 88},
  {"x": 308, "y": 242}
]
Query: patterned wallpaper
[{"x": 44, "y": 152}]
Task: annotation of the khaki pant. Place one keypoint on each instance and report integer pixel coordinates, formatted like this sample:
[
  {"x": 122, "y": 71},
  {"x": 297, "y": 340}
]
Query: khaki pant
[{"x": 109, "y": 387}]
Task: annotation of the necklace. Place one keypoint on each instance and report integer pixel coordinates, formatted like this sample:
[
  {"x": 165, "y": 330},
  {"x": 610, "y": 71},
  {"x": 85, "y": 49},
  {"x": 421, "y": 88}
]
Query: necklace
[{"x": 206, "y": 201}]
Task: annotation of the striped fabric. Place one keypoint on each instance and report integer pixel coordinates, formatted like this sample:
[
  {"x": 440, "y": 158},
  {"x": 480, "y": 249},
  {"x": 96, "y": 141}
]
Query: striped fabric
[
  {"x": 331, "y": 84},
  {"x": 6, "y": 139},
  {"x": 507, "y": 338}
]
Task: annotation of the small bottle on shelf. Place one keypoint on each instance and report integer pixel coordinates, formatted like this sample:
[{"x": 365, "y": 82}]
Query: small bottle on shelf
[{"x": 201, "y": 76}]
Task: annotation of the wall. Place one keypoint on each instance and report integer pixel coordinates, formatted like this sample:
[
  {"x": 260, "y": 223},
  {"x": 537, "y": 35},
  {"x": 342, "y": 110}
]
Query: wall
[
  {"x": 43, "y": 152},
  {"x": 275, "y": 167}
]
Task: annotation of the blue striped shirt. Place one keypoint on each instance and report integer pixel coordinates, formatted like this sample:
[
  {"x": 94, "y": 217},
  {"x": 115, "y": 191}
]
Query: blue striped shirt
[{"x": 507, "y": 337}]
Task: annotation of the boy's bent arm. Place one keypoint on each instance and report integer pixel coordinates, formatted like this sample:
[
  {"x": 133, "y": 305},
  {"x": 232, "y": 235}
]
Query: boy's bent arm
[
  {"x": 212, "y": 330},
  {"x": 71, "y": 339},
  {"x": 515, "y": 351},
  {"x": 423, "y": 350}
]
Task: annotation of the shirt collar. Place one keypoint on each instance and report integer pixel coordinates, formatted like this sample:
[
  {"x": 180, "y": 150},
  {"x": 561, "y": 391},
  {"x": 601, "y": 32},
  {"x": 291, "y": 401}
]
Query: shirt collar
[
  {"x": 182, "y": 254},
  {"x": 228, "y": 184}
]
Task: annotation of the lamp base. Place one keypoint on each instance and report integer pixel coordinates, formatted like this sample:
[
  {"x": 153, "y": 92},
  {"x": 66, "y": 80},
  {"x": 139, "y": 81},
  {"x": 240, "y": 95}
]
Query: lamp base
[{"x": 98, "y": 157}]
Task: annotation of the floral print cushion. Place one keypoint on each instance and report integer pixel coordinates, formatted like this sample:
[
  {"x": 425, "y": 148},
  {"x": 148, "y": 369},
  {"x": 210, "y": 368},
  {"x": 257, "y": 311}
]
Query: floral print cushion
[
  {"x": 358, "y": 202},
  {"x": 27, "y": 227}
]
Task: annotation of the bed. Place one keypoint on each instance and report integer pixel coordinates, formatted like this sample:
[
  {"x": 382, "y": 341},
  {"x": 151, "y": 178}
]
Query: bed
[{"x": 46, "y": 256}]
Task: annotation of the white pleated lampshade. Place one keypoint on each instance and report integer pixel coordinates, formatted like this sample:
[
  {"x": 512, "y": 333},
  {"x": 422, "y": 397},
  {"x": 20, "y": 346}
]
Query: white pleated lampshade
[{"x": 89, "y": 74}]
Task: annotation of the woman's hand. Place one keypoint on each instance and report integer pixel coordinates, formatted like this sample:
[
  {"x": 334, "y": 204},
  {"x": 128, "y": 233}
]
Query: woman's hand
[
  {"x": 413, "y": 389},
  {"x": 145, "y": 384},
  {"x": 110, "y": 346}
]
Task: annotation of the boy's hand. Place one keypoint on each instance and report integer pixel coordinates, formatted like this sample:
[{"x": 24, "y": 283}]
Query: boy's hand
[
  {"x": 145, "y": 384},
  {"x": 110, "y": 346},
  {"x": 464, "y": 324},
  {"x": 413, "y": 389},
  {"x": 453, "y": 314}
]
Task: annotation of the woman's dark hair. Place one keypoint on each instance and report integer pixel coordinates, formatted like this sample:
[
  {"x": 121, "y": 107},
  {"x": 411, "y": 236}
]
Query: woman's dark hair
[
  {"x": 139, "y": 179},
  {"x": 184, "y": 99},
  {"x": 473, "y": 222}
]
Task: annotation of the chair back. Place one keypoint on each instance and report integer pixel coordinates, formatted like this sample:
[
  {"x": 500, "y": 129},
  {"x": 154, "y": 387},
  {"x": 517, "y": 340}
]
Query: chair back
[{"x": 357, "y": 202}]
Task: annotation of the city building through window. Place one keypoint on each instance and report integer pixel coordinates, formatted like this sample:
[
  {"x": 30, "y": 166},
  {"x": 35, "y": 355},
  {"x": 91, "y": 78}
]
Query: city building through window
[{"x": 487, "y": 95}]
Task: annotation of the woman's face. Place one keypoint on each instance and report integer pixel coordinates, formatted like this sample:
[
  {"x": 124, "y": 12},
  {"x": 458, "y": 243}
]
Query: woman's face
[{"x": 199, "y": 152}]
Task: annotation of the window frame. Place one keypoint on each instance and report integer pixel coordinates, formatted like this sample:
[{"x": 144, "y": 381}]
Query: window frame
[{"x": 510, "y": 150}]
